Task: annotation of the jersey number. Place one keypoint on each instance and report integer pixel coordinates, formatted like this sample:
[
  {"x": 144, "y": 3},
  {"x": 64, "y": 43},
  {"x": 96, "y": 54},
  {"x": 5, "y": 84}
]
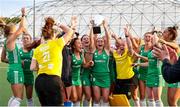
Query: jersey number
[{"x": 46, "y": 56}]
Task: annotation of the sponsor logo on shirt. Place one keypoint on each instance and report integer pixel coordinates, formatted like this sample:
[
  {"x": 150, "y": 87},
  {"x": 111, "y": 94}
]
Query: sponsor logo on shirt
[{"x": 100, "y": 61}]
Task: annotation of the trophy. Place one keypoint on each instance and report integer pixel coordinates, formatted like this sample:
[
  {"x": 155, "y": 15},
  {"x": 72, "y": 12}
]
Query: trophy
[{"x": 97, "y": 21}]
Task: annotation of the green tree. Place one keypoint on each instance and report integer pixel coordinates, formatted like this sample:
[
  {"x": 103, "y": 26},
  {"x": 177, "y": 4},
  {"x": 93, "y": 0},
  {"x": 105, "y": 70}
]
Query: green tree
[
  {"x": 14, "y": 20},
  {"x": 8, "y": 20}
]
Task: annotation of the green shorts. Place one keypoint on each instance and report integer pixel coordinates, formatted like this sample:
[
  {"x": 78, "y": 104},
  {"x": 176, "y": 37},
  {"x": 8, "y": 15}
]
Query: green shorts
[
  {"x": 28, "y": 78},
  {"x": 101, "y": 79},
  {"x": 86, "y": 77},
  {"x": 174, "y": 85},
  {"x": 142, "y": 77},
  {"x": 76, "y": 82},
  {"x": 155, "y": 81},
  {"x": 142, "y": 73},
  {"x": 15, "y": 76}
]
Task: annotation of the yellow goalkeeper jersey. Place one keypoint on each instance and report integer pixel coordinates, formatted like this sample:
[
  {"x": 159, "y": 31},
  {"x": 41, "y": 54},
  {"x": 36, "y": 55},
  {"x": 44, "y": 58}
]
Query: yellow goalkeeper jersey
[
  {"x": 49, "y": 57},
  {"x": 124, "y": 67}
]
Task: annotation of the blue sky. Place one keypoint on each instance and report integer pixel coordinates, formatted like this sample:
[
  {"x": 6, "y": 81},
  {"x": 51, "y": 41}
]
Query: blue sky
[{"x": 9, "y": 7}]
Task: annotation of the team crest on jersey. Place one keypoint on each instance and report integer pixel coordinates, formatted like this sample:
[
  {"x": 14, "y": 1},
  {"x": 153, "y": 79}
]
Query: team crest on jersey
[
  {"x": 95, "y": 54},
  {"x": 104, "y": 56},
  {"x": 74, "y": 60},
  {"x": 20, "y": 52}
]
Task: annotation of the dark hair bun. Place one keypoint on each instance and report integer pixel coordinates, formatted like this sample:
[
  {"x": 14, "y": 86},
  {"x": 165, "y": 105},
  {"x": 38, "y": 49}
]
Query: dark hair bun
[
  {"x": 47, "y": 30},
  {"x": 175, "y": 27},
  {"x": 49, "y": 22},
  {"x": 76, "y": 34}
]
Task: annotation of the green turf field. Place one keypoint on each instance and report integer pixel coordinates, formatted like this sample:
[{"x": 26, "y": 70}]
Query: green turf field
[{"x": 5, "y": 91}]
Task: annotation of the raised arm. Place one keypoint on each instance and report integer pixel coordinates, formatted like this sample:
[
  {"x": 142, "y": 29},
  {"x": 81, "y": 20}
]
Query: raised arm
[
  {"x": 107, "y": 35},
  {"x": 115, "y": 37},
  {"x": 74, "y": 23},
  {"x": 69, "y": 31},
  {"x": 135, "y": 42},
  {"x": 129, "y": 44},
  {"x": 92, "y": 42},
  {"x": 12, "y": 39}
]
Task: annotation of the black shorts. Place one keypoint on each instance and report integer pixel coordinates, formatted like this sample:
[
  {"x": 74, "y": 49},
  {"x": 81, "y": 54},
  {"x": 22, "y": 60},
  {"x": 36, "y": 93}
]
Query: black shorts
[
  {"x": 67, "y": 84},
  {"x": 67, "y": 80},
  {"x": 122, "y": 86},
  {"x": 135, "y": 80},
  {"x": 48, "y": 88}
]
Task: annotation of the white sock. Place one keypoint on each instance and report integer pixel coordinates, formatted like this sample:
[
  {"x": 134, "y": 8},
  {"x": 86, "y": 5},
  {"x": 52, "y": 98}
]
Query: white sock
[
  {"x": 30, "y": 102},
  {"x": 96, "y": 104},
  {"x": 159, "y": 103},
  {"x": 151, "y": 102},
  {"x": 101, "y": 101},
  {"x": 105, "y": 104},
  {"x": 77, "y": 104},
  {"x": 15, "y": 102},
  {"x": 143, "y": 103},
  {"x": 86, "y": 103},
  {"x": 136, "y": 102},
  {"x": 10, "y": 100}
]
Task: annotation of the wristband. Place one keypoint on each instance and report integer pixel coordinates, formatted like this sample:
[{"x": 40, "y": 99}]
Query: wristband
[
  {"x": 73, "y": 28},
  {"x": 23, "y": 15}
]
